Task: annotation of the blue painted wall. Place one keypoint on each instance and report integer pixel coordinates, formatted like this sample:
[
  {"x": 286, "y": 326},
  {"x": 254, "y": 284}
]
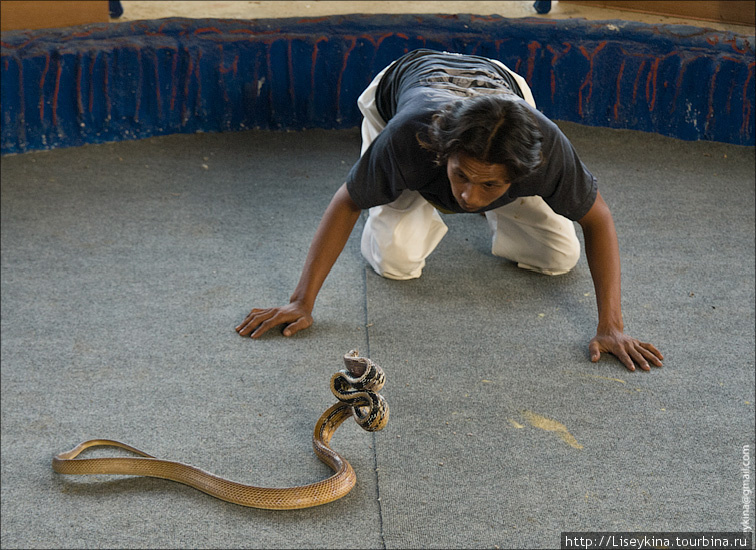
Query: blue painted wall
[{"x": 96, "y": 83}]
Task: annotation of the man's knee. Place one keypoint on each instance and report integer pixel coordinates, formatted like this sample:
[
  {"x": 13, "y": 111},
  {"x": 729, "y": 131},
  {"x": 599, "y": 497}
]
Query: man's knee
[
  {"x": 555, "y": 261},
  {"x": 398, "y": 237},
  {"x": 392, "y": 262}
]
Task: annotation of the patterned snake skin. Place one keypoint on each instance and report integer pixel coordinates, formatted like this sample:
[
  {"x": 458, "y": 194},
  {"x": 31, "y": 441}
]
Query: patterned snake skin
[{"x": 356, "y": 389}]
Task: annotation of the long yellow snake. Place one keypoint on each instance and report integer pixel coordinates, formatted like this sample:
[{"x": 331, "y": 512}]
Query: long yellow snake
[{"x": 356, "y": 389}]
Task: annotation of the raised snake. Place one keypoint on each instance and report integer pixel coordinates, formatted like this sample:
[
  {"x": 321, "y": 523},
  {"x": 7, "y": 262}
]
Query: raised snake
[{"x": 356, "y": 389}]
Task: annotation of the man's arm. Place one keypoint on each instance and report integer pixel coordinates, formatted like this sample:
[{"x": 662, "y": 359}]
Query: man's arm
[
  {"x": 331, "y": 236},
  {"x": 602, "y": 251}
]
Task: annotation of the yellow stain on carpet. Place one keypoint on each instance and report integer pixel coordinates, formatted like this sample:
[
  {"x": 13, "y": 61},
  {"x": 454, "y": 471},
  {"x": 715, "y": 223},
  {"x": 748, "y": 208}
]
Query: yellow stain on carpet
[{"x": 543, "y": 423}]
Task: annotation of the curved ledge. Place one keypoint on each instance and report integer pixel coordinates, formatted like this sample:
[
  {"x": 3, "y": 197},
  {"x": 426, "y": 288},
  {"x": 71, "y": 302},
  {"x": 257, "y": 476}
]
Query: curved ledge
[{"x": 97, "y": 83}]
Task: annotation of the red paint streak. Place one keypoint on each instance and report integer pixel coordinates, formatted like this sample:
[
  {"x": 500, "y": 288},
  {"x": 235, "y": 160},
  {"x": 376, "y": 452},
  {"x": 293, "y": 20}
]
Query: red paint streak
[
  {"x": 91, "y": 82},
  {"x": 517, "y": 66},
  {"x": 341, "y": 74},
  {"x": 746, "y": 102},
  {"x": 79, "y": 99},
  {"x": 377, "y": 42},
  {"x": 314, "y": 61},
  {"x": 712, "y": 88},
  {"x": 619, "y": 80},
  {"x": 234, "y": 69},
  {"x": 728, "y": 104},
  {"x": 234, "y": 65},
  {"x": 554, "y": 59},
  {"x": 55, "y": 92},
  {"x": 637, "y": 78},
  {"x": 498, "y": 42},
  {"x": 533, "y": 47},
  {"x": 42, "y": 89},
  {"x": 290, "y": 68},
  {"x": 187, "y": 78},
  {"x": 733, "y": 44},
  {"x": 84, "y": 34},
  {"x": 105, "y": 81},
  {"x": 678, "y": 83},
  {"x": 202, "y": 30},
  {"x": 314, "y": 19},
  {"x": 256, "y": 77},
  {"x": 19, "y": 47},
  {"x": 552, "y": 85},
  {"x": 487, "y": 19},
  {"x": 174, "y": 87},
  {"x": 148, "y": 32},
  {"x": 588, "y": 77},
  {"x": 157, "y": 84},
  {"x": 652, "y": 78}
]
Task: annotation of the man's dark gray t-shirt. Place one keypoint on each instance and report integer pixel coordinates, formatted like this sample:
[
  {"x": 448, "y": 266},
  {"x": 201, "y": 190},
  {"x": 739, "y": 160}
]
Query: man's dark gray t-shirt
[{"x": 416, "y": 87}]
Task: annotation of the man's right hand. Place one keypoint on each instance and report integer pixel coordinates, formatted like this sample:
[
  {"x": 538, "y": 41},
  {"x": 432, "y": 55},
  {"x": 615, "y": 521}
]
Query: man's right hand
[
  {"x": 329, "y": 240},
  {"x": 295, "y": 316}
]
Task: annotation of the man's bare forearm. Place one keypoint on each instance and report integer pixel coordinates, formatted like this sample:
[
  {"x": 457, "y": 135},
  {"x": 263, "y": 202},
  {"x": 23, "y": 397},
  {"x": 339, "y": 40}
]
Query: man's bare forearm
[
  {"x": 327, "y": 244},
  {"x": 331, "y": 236},
  {"x": 602, "y": 252}
]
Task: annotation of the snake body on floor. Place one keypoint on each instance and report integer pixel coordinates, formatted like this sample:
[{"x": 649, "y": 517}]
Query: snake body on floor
[{"x": 356, "y": 388}]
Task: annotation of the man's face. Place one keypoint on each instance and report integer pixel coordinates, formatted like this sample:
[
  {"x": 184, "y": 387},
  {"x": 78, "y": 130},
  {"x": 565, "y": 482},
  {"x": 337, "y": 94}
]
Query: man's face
[{"x": 476, "y": 184}]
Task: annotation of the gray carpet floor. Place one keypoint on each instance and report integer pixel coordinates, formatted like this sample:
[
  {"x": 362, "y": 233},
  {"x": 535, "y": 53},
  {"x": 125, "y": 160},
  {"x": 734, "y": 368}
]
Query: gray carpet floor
[{"x": 126, "y": 266}]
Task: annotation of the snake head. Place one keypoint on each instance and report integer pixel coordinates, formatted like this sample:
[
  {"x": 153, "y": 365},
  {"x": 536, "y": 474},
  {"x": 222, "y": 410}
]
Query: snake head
[
  {"x": 357, "y": 386},
  {"x": 355, "y": 364},
  {"x": 362, "y": 373}
]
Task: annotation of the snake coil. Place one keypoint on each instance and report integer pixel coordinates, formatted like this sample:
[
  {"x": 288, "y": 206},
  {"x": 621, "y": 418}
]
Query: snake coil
[{"x": 356, "y": 388}]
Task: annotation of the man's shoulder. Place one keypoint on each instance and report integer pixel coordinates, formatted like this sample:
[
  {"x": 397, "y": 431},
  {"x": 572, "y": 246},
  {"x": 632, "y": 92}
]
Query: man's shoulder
[{"x": 414, "y": 114}]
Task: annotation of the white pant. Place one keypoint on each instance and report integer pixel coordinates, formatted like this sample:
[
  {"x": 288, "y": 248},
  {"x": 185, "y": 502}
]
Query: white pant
[{"x": 399, "y": 236}]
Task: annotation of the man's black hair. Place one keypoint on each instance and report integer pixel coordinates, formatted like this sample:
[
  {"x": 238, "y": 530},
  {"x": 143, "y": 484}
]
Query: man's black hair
[{"x": 491, "y": 128}]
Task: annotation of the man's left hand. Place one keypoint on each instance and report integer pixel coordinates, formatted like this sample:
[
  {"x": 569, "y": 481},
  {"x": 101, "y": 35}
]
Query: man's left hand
[{"x": 629, "y": 351}]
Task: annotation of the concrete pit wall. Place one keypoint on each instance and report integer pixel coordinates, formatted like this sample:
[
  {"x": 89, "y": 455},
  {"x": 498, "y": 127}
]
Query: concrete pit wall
[{"x": 97, "y": 83}]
